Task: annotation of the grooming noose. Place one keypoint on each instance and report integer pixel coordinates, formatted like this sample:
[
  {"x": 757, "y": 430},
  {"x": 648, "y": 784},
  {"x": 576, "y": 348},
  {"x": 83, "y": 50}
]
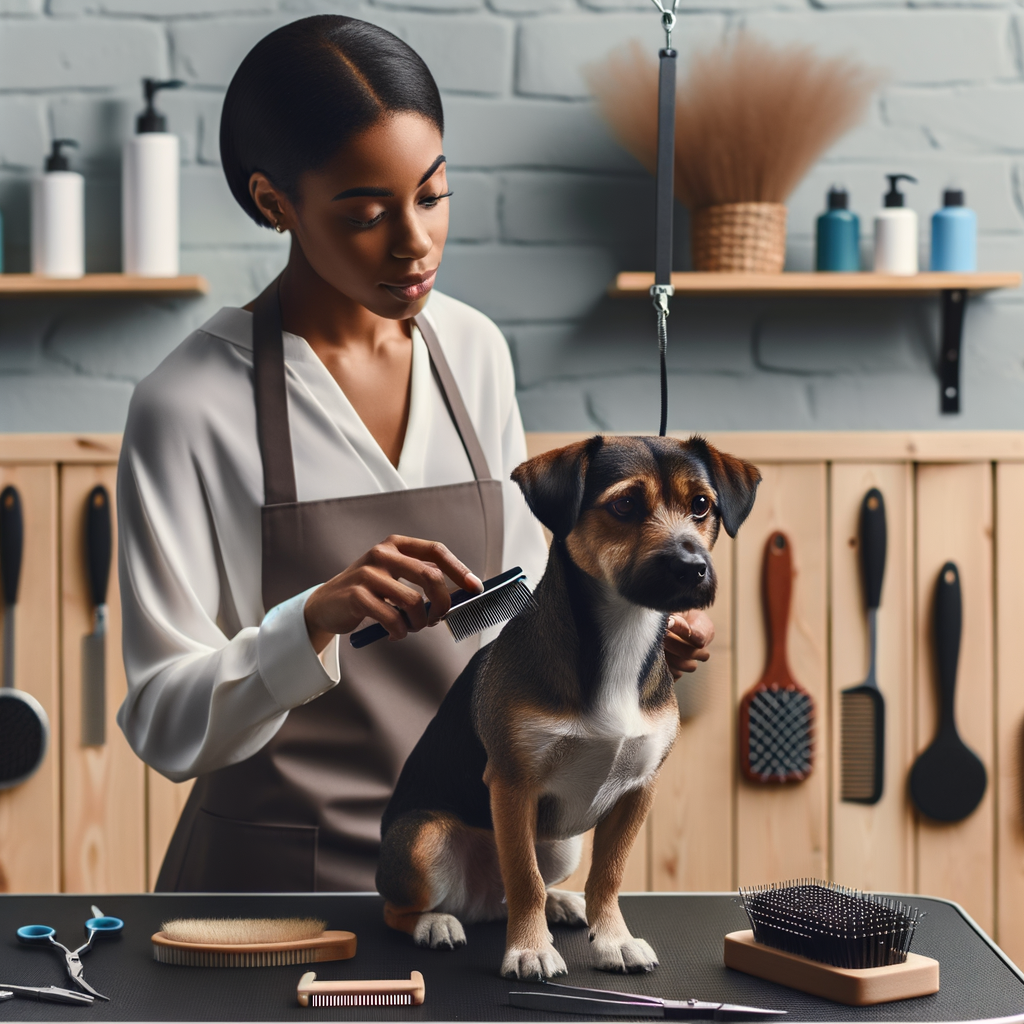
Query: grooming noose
[{"x": 662, "y": 290}]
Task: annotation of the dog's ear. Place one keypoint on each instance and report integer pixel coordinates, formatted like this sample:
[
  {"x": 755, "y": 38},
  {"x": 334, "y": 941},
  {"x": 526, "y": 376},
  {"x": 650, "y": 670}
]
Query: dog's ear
[
  {"x": 552, "y": 484},
  {"x": 734, "y": 480}
]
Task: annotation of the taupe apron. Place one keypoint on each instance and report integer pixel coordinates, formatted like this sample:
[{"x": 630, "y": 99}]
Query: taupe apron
[{"x": 303, "y": 814}]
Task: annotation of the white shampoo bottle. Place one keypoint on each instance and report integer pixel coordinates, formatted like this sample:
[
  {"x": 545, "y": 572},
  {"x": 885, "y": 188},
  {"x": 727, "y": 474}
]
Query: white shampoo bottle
[
  {"x": 58, "y": 217},
  {"x": 149, "y": 192},
  {"x": 896, "y": 232}
]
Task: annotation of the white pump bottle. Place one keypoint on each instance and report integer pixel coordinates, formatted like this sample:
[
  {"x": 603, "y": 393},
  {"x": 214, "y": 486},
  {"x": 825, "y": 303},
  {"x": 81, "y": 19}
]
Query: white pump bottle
[
  {"x": 896, "y": 232},
  {"x": 149, "y": 192},
  {"x": 58, "y": 217}
]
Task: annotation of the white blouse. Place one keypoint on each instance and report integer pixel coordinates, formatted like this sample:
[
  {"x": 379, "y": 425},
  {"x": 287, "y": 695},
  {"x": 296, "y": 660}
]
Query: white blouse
[{"x": 211, "y": 675}]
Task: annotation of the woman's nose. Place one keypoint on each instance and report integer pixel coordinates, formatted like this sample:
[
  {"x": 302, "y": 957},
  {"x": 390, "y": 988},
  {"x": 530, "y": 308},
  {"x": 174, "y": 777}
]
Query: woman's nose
[{"x": 413, "y": 241}]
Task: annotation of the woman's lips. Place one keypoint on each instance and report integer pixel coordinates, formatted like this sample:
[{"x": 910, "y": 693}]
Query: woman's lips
[{"x": 415, "y": 290}]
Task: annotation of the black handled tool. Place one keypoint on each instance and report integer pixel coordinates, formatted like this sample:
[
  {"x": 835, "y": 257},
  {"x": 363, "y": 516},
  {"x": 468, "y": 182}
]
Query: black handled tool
[
  {"x": 862, "y": 735},
  {"x": 948, "y": 780},
  {"x": 98, "y": 544},
  {"x": 24, "y": 726}
]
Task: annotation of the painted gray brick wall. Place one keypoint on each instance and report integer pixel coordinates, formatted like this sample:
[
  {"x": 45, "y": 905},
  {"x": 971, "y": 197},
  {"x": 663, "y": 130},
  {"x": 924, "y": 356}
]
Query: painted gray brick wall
[{"x": 547, "y": 207}]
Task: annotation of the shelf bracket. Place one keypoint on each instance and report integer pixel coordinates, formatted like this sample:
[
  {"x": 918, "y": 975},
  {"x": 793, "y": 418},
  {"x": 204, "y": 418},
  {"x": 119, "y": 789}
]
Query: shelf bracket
[{"x": 954, "y": 301}]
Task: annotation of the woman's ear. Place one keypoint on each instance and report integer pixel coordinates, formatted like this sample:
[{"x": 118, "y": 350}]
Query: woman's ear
[
  {"x": 271, "y": 203},
  {"x": 552, "y": 484}
]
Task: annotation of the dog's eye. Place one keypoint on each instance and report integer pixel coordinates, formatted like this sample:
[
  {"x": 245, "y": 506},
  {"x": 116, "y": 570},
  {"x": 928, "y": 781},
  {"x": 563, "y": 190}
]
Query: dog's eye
[
  {"x": 624, "y": 508},
  {"x": 700, "y": 506}
]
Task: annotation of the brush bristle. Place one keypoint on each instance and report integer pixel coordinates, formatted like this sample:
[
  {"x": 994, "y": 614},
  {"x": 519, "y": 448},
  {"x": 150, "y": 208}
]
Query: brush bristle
[
  {"x": 242, "y": 931},
  {"x": 492, "y": 608},
  {"x": 781, "y": 746},
  {"x": 262, "y": 958},
  {"x": 857, "y": 747},
  {"x": 363, "y": 999},
  {"x": 751, "y": 118},
  {"x": 830, "y": 923}
]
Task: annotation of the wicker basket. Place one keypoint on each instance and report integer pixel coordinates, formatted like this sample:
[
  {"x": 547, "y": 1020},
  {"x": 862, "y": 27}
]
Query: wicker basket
[{"x": 739, "y": 237}]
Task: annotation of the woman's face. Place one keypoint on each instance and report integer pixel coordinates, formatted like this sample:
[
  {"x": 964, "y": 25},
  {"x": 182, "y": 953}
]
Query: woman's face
[{"x": 373, "y": 221}]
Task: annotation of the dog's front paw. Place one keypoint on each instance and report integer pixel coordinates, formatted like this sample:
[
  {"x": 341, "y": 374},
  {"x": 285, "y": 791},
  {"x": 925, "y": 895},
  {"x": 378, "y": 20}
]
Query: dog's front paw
[
  {"x": 565, "y": 908},
  {"x": 533, "y": 964},
  {"x": 625, "y": 956},
  {"x": 439, "y": 931}
]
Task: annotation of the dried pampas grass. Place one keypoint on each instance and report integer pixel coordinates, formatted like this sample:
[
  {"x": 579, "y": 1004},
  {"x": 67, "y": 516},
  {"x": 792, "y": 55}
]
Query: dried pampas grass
[{"x": 751, "y": 118}]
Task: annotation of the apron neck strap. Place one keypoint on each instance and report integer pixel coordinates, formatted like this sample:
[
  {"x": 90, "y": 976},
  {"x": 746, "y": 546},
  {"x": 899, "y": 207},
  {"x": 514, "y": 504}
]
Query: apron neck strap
[
  {"x": 453, "y": 399},
  {"x": 272, "y": 400}
]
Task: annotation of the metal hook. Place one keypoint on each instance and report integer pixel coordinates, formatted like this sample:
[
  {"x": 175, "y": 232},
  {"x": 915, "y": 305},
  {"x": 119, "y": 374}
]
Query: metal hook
[{"x": 668, "y": 19}]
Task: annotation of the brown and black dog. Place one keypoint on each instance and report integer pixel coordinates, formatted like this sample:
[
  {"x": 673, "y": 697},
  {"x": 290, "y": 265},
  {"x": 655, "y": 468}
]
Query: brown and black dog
[{"x": 563, "y": 722}]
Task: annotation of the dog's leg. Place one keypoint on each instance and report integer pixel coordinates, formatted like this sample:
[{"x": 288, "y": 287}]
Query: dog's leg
[
  {"x": 614, "y": 948},
  {"x": 529, "y": 952}
]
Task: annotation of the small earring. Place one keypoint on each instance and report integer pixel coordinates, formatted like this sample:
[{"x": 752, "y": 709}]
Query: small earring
[{"x": 278, "y": 228}]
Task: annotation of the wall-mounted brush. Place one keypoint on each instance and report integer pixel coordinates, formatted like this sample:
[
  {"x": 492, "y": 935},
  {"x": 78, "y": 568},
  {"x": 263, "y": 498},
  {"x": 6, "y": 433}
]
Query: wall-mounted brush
[
  {"x": 832, "y": 942},
  {"x": 361, "y": 993},
  {"x": 862, "y": 712},
  {"x": 502, "y": 598},
  {"x": 250, "y": 942}
]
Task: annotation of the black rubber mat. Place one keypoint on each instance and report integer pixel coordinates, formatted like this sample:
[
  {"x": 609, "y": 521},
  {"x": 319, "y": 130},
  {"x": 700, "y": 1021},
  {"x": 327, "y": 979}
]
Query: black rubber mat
[{"x": 462, "y": 985}]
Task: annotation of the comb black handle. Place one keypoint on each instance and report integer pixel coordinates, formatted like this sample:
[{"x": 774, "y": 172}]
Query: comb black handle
[
  {"x": 873, "y": 538},
  {"x": 371, "y": 634},
  {"x": 948, "y": 625},
  {"x": 98, "y": 543},
  {"x": 12, "y": 538}
]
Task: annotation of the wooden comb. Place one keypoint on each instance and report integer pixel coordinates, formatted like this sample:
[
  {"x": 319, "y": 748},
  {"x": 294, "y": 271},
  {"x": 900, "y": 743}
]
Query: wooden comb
[
  {"x": 776, "y": 717},
  {"x": 361, "y": 993}
]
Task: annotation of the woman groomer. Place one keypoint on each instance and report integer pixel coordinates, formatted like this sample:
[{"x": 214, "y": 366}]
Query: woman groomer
[{"x": 313, "y": 457}]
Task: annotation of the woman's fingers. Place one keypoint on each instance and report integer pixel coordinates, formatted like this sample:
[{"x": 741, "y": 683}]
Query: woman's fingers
[{"x": 432, "y": 551}]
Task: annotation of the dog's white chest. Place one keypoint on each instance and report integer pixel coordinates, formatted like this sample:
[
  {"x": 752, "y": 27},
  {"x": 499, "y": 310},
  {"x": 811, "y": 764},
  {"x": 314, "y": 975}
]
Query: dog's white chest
[{"x": 590, "y": 761}]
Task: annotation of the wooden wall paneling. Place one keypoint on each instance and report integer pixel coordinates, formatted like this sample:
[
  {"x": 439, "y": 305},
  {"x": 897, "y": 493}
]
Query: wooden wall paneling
[
  {"x": 692, "y": 819},
  {"x": 165, "y": 801},
  {"x": 104, "y": 787},
  {"x": 782, "y": 831},
  {"x": 873, "y": 846},
  {"x": 954, "y": 523},
  {"x": 30, "y": 813},
  {"x": 1010, "y": 708}
]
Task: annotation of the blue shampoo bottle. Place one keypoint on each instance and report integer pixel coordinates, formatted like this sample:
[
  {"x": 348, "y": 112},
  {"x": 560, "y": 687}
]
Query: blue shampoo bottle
[
  {"x": 838, "y": 235},
  {"x": 954, "y": 234}
]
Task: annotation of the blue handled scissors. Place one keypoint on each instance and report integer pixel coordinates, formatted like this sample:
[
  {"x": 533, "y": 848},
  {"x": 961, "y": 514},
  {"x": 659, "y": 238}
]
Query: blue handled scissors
[{"x": 42, "y": 934}]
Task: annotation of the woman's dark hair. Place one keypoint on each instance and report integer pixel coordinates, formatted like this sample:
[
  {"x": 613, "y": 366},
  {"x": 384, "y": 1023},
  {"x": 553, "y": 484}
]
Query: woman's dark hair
[{"x": 303, "y": 91}]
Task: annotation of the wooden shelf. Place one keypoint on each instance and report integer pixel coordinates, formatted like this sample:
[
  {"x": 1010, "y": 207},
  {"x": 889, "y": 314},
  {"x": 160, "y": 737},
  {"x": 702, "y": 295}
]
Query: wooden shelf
[
  {"x": 102, "y": 284},
  {"x": 637, "y": 283}
]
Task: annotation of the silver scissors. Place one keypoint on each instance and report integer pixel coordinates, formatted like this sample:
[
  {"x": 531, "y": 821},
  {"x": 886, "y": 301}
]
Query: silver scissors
[{"x": 98, "y": 924}]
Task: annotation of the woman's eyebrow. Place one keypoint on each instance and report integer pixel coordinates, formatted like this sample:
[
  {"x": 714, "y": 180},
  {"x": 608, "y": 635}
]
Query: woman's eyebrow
[
  {"x": 431, "y": 169},
  {"x": 385, "y": 193}
]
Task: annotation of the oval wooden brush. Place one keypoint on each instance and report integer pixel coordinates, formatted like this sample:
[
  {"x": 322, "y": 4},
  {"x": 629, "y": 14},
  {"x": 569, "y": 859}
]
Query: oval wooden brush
[
  {"x": 776, "y": 715},
  {"x": 250, "y": 942}
]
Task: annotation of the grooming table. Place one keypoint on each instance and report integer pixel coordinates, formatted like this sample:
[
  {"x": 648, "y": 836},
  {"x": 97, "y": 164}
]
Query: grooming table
[{"x": 978, "y": 982}]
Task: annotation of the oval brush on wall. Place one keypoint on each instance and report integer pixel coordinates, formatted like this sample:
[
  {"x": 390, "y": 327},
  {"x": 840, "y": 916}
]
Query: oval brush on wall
[
  {"x": 776, "y": 716},
  {"x": 249, "y": 942}
]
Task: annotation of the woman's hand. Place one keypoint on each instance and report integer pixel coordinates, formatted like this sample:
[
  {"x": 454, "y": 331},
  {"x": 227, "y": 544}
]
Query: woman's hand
[
  {"x": 686, "y": 638},
  {"x": 370, "y": 588}
]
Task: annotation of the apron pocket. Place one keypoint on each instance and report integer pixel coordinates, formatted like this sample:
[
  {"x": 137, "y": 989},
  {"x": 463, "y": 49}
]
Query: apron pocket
[{"x": 227, "y": 855}]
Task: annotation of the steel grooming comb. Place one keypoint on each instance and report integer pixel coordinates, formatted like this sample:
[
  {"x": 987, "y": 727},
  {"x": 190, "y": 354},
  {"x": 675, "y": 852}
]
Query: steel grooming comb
[{"x": 503, "y": 598}]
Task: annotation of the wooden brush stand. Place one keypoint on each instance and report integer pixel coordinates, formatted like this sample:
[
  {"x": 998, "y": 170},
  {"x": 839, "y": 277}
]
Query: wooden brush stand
[{"x": 917, "y": 976}]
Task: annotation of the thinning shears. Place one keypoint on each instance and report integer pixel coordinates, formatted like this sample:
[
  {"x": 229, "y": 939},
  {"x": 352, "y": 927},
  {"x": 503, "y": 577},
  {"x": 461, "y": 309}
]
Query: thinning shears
[
  {"x": 606, "y": 1003},
  {"x": 98, "y": 924}
]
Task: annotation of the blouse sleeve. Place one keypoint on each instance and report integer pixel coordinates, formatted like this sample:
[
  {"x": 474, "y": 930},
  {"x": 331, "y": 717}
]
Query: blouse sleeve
[{"x": 197, "y": 699}]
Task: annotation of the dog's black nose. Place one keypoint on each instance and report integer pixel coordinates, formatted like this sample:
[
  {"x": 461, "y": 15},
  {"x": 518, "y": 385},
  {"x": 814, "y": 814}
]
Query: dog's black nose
[{"x": 689, "y": 568}]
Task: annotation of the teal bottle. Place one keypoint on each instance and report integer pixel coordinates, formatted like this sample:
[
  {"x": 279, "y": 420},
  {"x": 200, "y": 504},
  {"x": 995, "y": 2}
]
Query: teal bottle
[
  {"x": 838, "y": 235},
  {"x": 954, "y": 234}
]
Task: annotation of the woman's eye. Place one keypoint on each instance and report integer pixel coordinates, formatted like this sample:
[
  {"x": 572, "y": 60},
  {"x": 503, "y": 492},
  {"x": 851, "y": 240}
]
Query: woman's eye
[
  {"x": 366, "y": 223},
  {"x": 700, "y": 506},
  {"x": 431, "y": 201},
  {"x": 623, "y": 508}
]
